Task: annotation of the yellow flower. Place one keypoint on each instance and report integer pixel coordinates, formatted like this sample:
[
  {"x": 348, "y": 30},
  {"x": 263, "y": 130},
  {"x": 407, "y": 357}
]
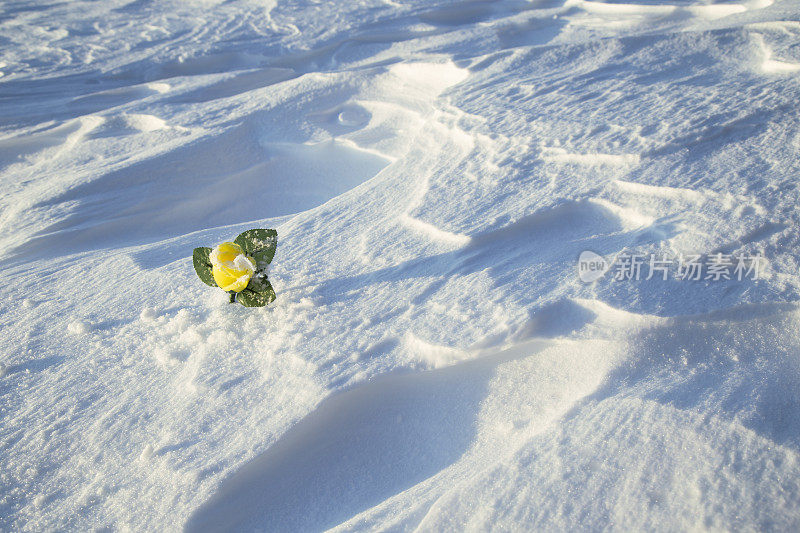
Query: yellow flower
[{"x": 231, "y": 269}]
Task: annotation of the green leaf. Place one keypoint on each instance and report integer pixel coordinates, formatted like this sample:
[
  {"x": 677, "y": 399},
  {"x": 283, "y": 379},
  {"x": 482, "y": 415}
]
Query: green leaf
[
  {"x": 250, "y": 298},
  {"x": 259, "y": 283},
  {"x": 202, "y": 265},
  {"x": 263, "y": 257},
  {"x": 260, "y": 244}
]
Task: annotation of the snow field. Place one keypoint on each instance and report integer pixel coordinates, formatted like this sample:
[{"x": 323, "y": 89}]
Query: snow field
[{"x": 432, "y": 361}]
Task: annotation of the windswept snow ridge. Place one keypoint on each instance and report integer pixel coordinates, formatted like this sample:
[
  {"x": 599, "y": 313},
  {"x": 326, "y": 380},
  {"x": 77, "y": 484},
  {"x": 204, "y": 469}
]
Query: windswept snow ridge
[{"x": 433, "y": 361}]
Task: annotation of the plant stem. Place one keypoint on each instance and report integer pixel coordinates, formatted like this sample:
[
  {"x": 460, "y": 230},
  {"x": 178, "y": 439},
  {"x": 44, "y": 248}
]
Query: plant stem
[{"x": 233, "y": 296}]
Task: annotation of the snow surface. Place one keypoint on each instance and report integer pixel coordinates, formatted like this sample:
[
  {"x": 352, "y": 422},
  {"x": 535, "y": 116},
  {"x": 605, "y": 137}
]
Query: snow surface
[{"x": 433, "y": 169}]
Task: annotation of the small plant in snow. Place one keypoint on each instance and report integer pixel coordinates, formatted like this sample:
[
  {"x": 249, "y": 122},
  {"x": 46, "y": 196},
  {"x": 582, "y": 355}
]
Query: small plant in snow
[{"x": 240, "y": 267}]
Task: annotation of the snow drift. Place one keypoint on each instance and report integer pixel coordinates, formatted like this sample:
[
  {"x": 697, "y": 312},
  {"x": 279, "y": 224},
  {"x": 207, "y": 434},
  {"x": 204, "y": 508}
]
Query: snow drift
[{"x": 434, "y": 170}]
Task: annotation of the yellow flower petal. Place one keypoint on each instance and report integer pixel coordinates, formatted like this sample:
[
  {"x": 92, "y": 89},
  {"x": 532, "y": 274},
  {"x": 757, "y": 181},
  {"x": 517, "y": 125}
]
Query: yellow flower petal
[
  {"x": 225, "y": 252},
  {"x": 231, "y": 269},
  {"x": 230, "y": 279}
]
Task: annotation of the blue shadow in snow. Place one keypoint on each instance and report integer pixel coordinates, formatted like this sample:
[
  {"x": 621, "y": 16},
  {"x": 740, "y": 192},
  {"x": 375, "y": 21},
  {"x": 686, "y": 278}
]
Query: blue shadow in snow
[{"x": 358, "y": 448}]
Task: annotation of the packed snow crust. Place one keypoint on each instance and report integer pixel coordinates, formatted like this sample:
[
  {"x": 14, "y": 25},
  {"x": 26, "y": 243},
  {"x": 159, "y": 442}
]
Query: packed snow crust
[{"x": 434, "y": 169}]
